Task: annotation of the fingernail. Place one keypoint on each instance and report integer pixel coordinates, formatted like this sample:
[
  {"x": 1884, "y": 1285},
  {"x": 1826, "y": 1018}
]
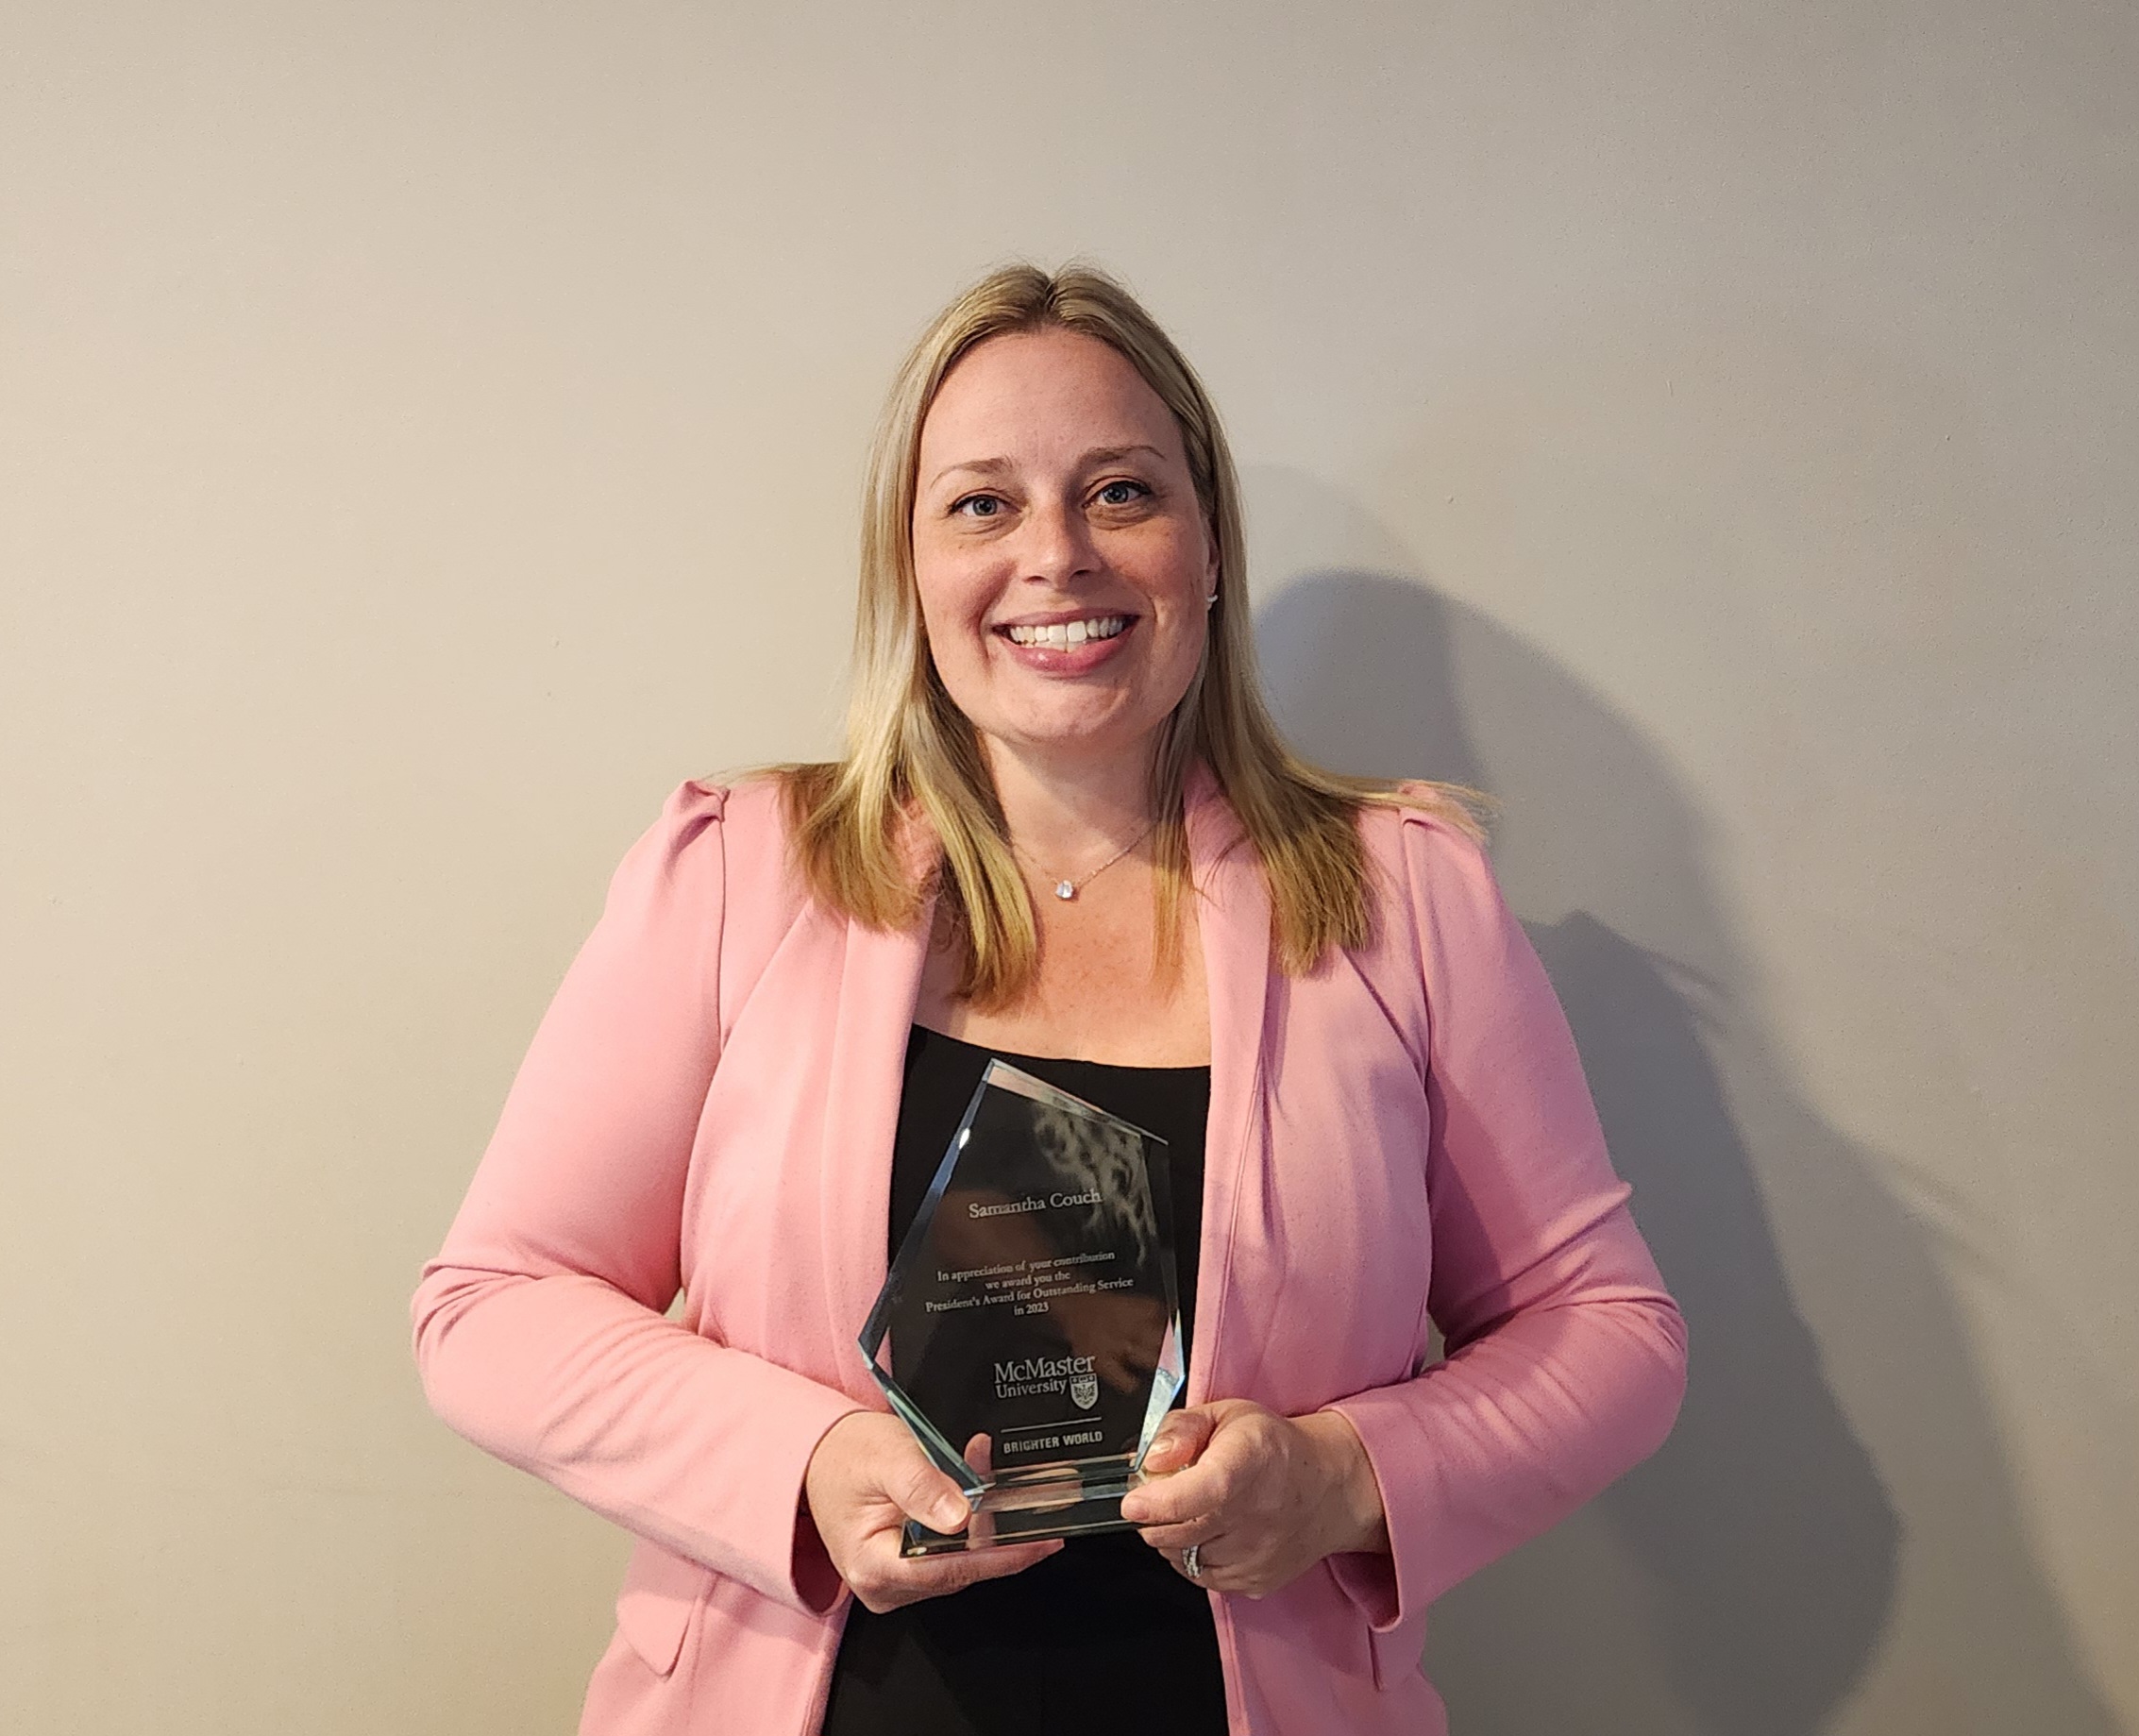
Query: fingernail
[{"x": 947, "y": 1514}]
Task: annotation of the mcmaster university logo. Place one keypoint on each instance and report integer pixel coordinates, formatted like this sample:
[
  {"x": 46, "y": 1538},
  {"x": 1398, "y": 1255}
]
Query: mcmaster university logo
[{"x": 1037, "y": 1376}]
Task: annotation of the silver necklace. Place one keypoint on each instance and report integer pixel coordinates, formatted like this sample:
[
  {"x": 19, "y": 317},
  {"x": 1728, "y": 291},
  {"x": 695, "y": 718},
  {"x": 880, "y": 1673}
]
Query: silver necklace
[{"x": 1067, "y": 888}]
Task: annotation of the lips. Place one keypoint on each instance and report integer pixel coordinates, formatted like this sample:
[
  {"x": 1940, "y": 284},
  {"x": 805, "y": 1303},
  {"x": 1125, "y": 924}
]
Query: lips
[
  {"x": 1068, "y": 644},
  {"x": 1066, "y": 634}
]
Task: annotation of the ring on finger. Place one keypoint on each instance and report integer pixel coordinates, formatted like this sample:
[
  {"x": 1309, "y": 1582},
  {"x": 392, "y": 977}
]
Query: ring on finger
[{"x": 1193, "y": 1561}]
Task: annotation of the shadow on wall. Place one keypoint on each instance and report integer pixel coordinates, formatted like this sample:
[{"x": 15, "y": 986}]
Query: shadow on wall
[{"x": 1739, "y": 1583}]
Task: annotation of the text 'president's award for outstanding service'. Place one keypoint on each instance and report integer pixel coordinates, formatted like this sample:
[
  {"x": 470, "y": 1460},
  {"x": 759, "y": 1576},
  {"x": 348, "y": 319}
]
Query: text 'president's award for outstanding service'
[{"x": 1035, "y": 1332}]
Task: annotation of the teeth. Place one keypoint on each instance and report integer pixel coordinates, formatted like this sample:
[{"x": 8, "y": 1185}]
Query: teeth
[{"x": 1062, "y": 635}]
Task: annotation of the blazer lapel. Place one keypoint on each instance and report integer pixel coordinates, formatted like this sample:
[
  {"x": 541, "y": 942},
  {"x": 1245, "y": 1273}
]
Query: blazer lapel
[
  {"x": 1233, "y": 914},
  {"x": 879, "y": 979}
]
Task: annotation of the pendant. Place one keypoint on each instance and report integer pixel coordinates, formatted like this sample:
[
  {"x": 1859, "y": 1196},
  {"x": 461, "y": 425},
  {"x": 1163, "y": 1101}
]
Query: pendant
[{"x": 1064, "y": 889}]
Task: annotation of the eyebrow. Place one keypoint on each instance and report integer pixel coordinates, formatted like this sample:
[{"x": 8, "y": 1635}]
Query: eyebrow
[{"x": 1097, "y": 455}]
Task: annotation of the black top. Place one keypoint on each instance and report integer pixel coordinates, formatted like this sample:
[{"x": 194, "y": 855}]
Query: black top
[{"x": 1104, "y": 1634}]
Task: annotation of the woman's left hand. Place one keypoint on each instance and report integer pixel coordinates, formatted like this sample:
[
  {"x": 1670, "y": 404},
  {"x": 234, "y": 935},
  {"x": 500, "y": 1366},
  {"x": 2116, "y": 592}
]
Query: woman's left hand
[{"x": 1262, "y": 1498}]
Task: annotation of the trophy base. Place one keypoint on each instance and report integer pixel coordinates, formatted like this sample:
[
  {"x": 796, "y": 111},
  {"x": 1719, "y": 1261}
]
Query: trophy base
[{"x": 1062, "y": 1501}]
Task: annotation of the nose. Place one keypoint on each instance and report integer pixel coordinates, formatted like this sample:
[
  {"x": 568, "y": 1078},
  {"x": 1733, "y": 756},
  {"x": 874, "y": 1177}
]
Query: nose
[{"x": 1056, "y": 543}]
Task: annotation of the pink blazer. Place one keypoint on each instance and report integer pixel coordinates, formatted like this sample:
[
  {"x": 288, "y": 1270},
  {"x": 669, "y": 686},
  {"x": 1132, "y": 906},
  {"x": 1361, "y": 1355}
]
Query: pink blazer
[{"x": 1403, "y": 1138}]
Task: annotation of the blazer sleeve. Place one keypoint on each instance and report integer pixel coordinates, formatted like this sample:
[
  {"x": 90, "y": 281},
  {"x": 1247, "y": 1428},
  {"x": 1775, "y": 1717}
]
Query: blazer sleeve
[
  {"x": 539, "y": 1328},
  {"x": 1565, "y": 1357}
]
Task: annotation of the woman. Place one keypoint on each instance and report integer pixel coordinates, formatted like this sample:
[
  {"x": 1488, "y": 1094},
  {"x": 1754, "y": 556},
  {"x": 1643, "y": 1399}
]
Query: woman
[{"x": 1065, "y": 832}]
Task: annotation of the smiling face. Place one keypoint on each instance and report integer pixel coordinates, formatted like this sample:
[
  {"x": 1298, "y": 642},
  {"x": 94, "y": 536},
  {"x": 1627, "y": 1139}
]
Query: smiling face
[{"x": 1061, "y": 554}]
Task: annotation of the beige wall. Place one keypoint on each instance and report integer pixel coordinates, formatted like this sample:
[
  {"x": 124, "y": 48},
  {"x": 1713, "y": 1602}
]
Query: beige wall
[{"x": 428, "y": 431}]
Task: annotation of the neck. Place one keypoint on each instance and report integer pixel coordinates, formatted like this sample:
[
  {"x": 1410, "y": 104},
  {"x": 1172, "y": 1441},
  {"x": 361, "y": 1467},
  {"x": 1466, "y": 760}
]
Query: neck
[{"x": 1066, "y": 812}]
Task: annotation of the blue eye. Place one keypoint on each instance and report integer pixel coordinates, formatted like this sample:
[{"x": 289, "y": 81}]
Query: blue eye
[
  {"x": 1122, "y": 492},
  {"x": 977, "y": 502}
]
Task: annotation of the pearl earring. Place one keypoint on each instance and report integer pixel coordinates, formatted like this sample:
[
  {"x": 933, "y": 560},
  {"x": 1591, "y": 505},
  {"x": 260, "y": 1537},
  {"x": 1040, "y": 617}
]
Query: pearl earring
[{"x": 1210, "y": 599}]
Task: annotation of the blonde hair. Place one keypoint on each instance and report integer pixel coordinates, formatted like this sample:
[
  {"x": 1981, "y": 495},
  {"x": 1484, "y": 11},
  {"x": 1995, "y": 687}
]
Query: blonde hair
[{"x": 912, "y": 756}]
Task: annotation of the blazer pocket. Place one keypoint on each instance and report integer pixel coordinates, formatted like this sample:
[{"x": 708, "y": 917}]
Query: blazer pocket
[{"x": 654, "y": 1605}]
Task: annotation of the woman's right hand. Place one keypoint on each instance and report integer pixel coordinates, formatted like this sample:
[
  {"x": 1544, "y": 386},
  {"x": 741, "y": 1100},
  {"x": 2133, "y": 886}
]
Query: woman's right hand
[{"x": 867, "y": 1479}]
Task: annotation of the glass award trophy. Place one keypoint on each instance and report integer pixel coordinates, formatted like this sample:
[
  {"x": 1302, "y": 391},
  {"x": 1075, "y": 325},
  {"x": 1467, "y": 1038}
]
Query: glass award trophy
[{"x": 1034, "y": 1334}]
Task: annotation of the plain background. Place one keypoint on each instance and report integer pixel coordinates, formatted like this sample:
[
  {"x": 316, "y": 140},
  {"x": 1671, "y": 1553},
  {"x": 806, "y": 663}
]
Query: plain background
[{"x": 428, "y": 432}]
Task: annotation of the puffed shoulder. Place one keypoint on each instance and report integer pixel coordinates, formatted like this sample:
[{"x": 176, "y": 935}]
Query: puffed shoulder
[
  {"x": 717, "y": 854},
  {"x": 669, "y": 881},
  {"x": 1424, "y": 826},
  {"x": 691, "y": 807},
  {"x": 681, "y": 845},
  {"x": 701, "y": 818},
  {"x": 1438, "y": 891}
]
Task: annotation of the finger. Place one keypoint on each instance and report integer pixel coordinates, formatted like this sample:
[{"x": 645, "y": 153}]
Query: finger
[
  {"x": 998, "y": 1562},
  {"x": 924, "y": 1495},
  {"x": 1191, "y": 1493},
  {"x": 1225, "y": 1458},
  {"x": 1180, "y": 1440},
  {"x": 1207, "y": 1568},
  {"x": 1171, "y": 1539},
  {"x": 1213, "y": 1574},
  {"x": 897, "y": 1581},
  {"x": 933, "y": 1575}
]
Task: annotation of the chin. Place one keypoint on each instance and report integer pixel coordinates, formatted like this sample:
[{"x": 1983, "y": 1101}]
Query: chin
[{"x": 1068, "y": 739}]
